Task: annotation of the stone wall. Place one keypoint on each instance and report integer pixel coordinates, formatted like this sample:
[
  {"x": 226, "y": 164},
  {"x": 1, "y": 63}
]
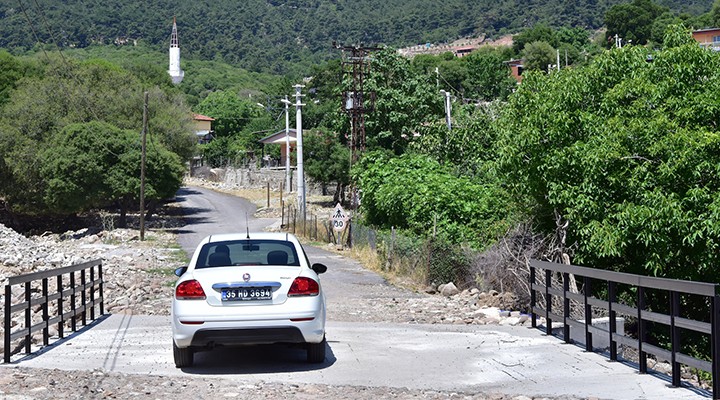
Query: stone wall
[{"x": 251, "y": 178}]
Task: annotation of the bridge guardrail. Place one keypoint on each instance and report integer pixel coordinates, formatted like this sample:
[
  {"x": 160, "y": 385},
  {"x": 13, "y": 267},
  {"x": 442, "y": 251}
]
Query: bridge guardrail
[
  {"x": 646, "y": 317},
  {"x": 73, "y": 301}
]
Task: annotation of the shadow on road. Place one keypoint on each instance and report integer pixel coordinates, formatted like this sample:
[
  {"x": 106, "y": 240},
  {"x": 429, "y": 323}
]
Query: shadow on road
[
  {"x": 190, "y": 215},
  {"x": 260, "y": 359},
  {"x": 185, "y": 191}
]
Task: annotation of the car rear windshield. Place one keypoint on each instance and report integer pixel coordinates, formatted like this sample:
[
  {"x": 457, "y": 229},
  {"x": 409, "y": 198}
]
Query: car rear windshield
[{"x": 248, "y": 252}]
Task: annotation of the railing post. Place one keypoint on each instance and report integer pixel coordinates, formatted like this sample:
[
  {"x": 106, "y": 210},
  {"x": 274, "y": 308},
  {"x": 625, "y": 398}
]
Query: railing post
[
  {"x": 102, "y": 283},
  {"x": 61, "y": 313},
  {"x": 587, "y": 292},
  {"x": 28, "y": 318},
  {"x": 8, "y": 321},
  {"x": 282, "y": 213},
  {"x": 642, "y": 360},
  {"x": 674, "y": 338},
  {"x": 83, "y": 300},
  {"x": 73, "y": 323},
  {"x": 45, "y": 317},
  {"x": 548, "y": 302},
  {"x": 92, "y": 293},
  {"x": 566, "y": 307},
  {"x": 533, "y": 298},
  {"x": 715, "y": 344},
  {"x": 349, "y": 233},
  {"x": 613, "y": 323}
]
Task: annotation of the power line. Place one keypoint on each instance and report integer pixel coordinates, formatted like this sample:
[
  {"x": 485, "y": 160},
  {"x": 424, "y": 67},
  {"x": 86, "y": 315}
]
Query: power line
[{"x": 459, "y": 94}]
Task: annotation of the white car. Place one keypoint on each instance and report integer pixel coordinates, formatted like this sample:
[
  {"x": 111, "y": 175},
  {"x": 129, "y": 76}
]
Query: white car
[{"x": 246, "y": 289}]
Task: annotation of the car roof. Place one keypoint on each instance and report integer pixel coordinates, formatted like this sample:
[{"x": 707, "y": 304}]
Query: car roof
[{"x": 222, "y": 237}]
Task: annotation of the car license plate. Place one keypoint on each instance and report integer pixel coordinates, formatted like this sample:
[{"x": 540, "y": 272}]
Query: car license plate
[{"x": 248, "y": 294}]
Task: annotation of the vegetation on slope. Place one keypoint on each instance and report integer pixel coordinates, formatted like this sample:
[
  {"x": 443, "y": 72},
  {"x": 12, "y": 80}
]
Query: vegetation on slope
[{"x": 283, "y": 37}]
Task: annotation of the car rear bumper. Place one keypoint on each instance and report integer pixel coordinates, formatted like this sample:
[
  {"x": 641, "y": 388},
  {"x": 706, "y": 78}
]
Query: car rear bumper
[
  {"x": 237, "y": 337},
  {"x": 235, "y": 333}
]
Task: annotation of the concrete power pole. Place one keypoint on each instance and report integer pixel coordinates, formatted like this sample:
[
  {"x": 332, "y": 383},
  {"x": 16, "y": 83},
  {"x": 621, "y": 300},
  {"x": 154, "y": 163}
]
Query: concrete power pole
[
  {"x": 558, "y": 59},
  {"x": 142, "y": 168},
  {"x": 300, "y": 168},
  {"x": 448, "y": 109},
  {"x": 287, "y": 144}
]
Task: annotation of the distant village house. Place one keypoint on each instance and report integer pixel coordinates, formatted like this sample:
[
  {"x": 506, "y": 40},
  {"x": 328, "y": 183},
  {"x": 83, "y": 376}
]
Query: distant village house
[
  {"x": 708, "y": 38},
  {"x": 203, "y": 128}
]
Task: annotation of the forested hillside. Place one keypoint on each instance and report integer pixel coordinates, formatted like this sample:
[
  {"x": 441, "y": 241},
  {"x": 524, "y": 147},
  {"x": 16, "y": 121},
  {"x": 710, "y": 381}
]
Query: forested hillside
[{"x": 286, "y": 36}]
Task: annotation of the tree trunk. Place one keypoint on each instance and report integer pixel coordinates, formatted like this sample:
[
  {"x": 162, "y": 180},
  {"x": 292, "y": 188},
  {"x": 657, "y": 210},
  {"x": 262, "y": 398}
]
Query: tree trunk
[
  {"x": 122, "y": 220},
  {"x": 337, "y": 198},
  {"x": 151, "y": 208}
]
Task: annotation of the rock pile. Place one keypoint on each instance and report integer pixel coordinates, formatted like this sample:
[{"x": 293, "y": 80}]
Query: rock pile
[{"x": 138, "y": 275}]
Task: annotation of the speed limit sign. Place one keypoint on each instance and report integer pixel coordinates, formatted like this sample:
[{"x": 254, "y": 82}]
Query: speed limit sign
[{"x": 339, "y": 218}]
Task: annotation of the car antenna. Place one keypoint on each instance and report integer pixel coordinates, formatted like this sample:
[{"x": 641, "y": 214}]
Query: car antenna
[{"x": 247, "y": 226}]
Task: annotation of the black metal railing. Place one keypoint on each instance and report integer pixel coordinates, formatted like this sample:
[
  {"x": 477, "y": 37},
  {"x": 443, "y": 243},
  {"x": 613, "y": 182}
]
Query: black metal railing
[
  {"x": 651, "y": 319},
  {"x": 71, "y": 301}
]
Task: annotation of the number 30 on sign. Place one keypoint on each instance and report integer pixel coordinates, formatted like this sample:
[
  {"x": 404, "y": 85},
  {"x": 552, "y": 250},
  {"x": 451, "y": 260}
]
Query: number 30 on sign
[{"x": 339, "y": 218}]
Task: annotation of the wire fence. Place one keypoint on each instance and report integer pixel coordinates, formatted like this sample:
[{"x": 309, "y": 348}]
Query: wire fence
[{"x": 424, "y": 259}]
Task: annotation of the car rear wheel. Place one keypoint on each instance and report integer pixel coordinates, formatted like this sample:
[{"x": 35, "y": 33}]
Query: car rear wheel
[
  {"x": 316, "y": 352},
  {"x": 183, "y": 356}
]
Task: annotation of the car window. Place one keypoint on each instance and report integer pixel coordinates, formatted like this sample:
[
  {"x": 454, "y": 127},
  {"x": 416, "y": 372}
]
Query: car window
[{"x": 248, "y": 252}]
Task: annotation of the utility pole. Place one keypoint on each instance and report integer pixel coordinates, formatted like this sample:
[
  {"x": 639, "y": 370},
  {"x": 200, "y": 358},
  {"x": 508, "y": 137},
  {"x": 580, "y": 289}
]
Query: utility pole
[
  {"x": 300, "y": 168},
  {"x": 356, "y": 64},
  {"x": 142, "y": 169},
  {"x": 558, "y": 59},
  {"x": 287, "y": 144},
  {"x": 448, "y": 109}
]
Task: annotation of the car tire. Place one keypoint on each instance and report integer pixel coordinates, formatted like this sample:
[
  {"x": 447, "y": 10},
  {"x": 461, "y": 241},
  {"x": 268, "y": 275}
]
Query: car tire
[
  {"x": 183, "y": 356},
  {"x": 316, "y": 352}
]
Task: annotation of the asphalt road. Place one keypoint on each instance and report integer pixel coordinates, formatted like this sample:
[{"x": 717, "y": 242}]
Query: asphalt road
[
  {"x": 207, "y": 212},
  {"x": 474, "y": 359}
]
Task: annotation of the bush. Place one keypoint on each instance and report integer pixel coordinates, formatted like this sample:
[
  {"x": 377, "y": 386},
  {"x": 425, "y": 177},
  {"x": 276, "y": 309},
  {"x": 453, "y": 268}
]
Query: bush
[{"x": 447, "y": 262}]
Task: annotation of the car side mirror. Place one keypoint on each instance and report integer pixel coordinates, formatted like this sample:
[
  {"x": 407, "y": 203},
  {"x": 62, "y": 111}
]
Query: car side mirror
[
  {"x": 318, "y": 268},
  {"x": 181, "y": 271}
]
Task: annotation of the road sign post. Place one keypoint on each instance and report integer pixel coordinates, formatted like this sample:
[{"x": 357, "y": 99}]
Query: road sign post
[{"x": 339, "y": 221}]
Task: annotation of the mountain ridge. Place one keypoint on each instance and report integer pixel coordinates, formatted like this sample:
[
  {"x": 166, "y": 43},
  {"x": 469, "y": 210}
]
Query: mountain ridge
[{"x": 278, "y": 37}]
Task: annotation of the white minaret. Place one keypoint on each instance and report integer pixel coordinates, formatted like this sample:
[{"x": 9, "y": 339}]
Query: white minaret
[{"x": 176, "y": 74}]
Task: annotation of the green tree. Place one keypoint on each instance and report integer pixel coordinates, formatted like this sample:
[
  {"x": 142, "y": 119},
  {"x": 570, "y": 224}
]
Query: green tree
[
  {"x": 660, "y": 25},
  {"x": 66, "y": 93},
  {"x": 626, "y": 151},
  {"x": 677, "y": 35},
  {"x": 538, "y": 33},
  {"x": 231, "y": 113},
  {"x": 11, "y": 70},
  {"x": 417, "y": 193},
  {"x": 488, "y": 77},
  {"x": 577, "y": 37},
  {"x": 404, "y": 102},
  {"x": 715, "y": 13},
  {"x": 237, "y": 122},
  {"x": 538, "y": 55},
  {"x": 95, "y": 164},
  {"x": 632, "y": 21},
  {"x": 469, "y": 148},
  {"x": 327, "y": 161}
]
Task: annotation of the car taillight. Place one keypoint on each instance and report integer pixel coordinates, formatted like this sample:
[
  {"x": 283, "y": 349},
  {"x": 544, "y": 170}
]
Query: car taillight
[
  {"x": 303, "y": 286},
  {"x": 190, "y": 290}
]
